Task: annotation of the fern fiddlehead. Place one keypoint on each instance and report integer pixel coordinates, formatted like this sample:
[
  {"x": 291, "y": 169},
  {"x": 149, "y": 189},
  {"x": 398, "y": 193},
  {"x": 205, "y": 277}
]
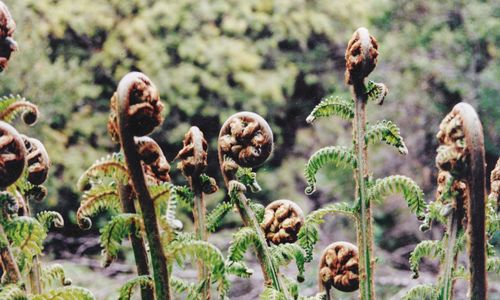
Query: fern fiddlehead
[
  {"x": 136, "y": 111},
  {"x": 282, "y": 221},
  {"x": 7, "y": 43},
  {"x": 338, "y": 267},
  {"x": 246, "y": 140},
  {"x": 193, "y": 163}
]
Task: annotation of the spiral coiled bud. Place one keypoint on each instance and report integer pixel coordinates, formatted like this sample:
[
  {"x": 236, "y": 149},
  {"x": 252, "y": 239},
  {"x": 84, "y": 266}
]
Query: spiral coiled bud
[
  {"x": 194, "y": 153},
  {"x": 360, "y": 56},
  {"x": 246, "y": 138},
  {"x": 12, "y": 155},
  {"x": 338, "y": 267},
  {"x": 9, "y": 203},
  {"x": 142, "y": 106},
  {"x": 155, "y": 165},
  {"x": 282, "y": 221},
  {"x": 7, "y": 43},
  {"x": 38, "y": 160}
]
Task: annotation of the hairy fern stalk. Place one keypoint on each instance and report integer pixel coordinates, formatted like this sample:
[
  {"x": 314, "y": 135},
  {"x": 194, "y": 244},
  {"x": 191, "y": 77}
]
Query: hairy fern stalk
[{"x": 361, "y": 59}]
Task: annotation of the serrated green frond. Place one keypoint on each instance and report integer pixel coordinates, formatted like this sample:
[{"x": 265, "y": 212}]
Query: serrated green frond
[
  {"x": 492, "y": 218},
  {"x": 339, "y": 156},
  {"x": 215, "y": 217},
  {"x": 343, "y": 208},
  {"x": 238, "y": 268},
  {"x": 319, "y": 296},
  {"x": 66, "y": 293},
  {"x": 271, "y": 294},
  {"x": 412, "y": 193},
  {"x": 180, "y": 286},
  {"x": 249, "y": 178},
  {"x": 128, "y": 288},
  {"x": 13, "y": 105},
  {"x": 387, "y": 132},
  {"x": 242, "y": 240},
  {"x": 12, "y": 292},
  {"x": 52, "y": 274},
  {"x": 169, "y": 219},
  {"x": 308, "y": 237},
  {"x": 195, "y": 250},
  {"x": 48, "y": 218},
  {"x": 111, "y": 166},
  {"x": 114, "y": 232},
  {"x": 461, "y": 273},
  {"x": 422, "y": 291},
  {"x": 493, "y": 265},
  {"x": 282, "y": 255},
  {"x": 292, "y": 286},
  {"x": 433, "y": 249},
  {"x": 332, "y": 106},
  {"x": 27, "y": 234},
  {"x": 184, "y": 196},
  {"x": 98, "y": 199},
  {"x": 258, "y": 209},
  {"x": 376, "y": 92}
]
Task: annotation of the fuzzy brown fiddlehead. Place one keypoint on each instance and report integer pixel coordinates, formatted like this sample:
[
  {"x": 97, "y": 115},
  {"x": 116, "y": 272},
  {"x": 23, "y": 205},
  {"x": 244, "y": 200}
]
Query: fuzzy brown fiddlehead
[
  {"x": 12, "y": 155},
  {"x": 282, "y": 221},
  {"x": 360, "y": 56},
  {"x": 7, "y": 43},
  {"x": 37, "y": 159},
  {"x": 136, "y": 111},
  {"x": 156, "y": 166},
  {"x": 338, "y": 267},
  {"x": 246, "y": 138}
]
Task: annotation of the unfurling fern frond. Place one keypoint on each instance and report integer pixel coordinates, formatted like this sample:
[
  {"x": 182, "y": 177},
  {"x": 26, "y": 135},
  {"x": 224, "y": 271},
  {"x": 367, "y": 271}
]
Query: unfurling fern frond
[
  {"x": 282, "y": 255},
  {"x": 184, "y": 196},
  {"x": 332, "y": 106},
  {"x": 376, "y": 92},
  {"x": 242, "y": 239},
  {"x": 54, "y": 273},
  {"x": 111, "y": 166},
  {"x": 169, "y": 218},
  {"x": 126, "y": 291},
  {"x": 238, "y": 268},
  {"x": 68, "y": 292},
  {"x": 271, "y": 294},
  {"x": 12, "y": 292},
  {"x": 28, "y": 235},
  {"x": 492, "y": 218},
  {"x": 433, "y": 249},
  {"x": 387, "y": 132},
  {"x": 340, "y": 156},
  {"x": 215, "y": 217},
  {"x": 309, "y": 233},
  {"x": 422, "y": 291},
  {"x": 99, "y": 198},
  {"x": 180, "y": 286},
  {"x": 49, "y": 218},
  {"x": 258, "y": 210},
  {"x": 493, "y": 265},
  {"x": 11, "y": 106},
  {"x": 412, "y": 193},
  {"x": 114, "y": 232}
]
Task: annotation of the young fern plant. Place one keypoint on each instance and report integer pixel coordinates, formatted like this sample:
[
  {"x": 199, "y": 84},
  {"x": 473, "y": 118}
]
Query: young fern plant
[
  {"x": 24, "y": 166},
  {"x": 245, "y": 142},
  {"x": 346, "y": 273},
  {"x": 461, "y": 206}
]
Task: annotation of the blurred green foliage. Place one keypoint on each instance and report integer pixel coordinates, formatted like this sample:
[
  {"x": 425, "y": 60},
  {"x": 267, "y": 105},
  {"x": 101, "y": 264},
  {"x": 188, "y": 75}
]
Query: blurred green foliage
[{"x": 210, "y": 59}]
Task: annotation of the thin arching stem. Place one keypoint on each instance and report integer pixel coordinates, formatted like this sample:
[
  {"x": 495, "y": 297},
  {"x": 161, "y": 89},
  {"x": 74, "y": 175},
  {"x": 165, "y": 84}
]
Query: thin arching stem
[{"x": 140, "y": 254}]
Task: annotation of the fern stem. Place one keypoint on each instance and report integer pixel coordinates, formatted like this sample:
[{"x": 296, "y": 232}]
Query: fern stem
[
  {"x": 140, "y": 253},
  {"x": 10, "y": 268},
  {"x": 450, "y": 254},
  {"x": 199, "y": 216},
  {"x": 474, "y": 141},
  {"x": 364, "y": 228}
]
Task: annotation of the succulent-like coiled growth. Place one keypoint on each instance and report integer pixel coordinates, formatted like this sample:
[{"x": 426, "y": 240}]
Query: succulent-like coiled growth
[
  {"x": 12, "y": 155},
  {"x": 360, "y": 56},
  {"x": 282, "y": 221},
  {"x": 193, "y": 155},
  {"x": 338, "y": 267},
  {"x": 246, "y": 138},
  {"x": 156, "y": 166},
  {"x": 38, "y": 160},
  {"x": 7, "y": 43}
]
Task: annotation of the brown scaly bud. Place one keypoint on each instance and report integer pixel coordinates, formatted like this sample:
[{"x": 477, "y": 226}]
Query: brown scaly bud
[
  {"x": 142, "y": 102},
  {"x": 360, "y": 56},
  {"x": 7, "y": 43},
  {"x": 38, "y": 160},
  {"x": 338, "y": 267},
  {"x": 193, "y": 155},
  {"x": 155, "y": 165},
  {"x": 37, "y": 193},
  {"x": 246, "y": 138},
  {"x": 9, "y": 203},
  {"x": 282, "y": 221},
  {"x": 113, "y": 119},
  {"x": 12, "y": 155}
]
